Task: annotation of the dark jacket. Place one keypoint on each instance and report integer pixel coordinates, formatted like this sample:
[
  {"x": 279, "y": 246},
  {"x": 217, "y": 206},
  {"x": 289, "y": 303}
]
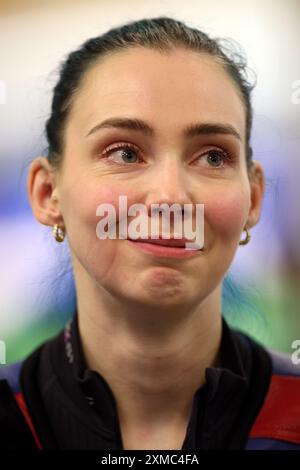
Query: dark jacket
[{"x": 51, "y": 400}]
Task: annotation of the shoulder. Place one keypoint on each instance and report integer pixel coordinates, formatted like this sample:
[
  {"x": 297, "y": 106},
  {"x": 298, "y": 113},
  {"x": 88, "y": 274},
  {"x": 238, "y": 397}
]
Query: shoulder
[
  {"x": 19, "y": 408},
  {"x": 277, "y": 425},
  {"x": 11, "y": 374},
  {"x": 283, "y": 364}
]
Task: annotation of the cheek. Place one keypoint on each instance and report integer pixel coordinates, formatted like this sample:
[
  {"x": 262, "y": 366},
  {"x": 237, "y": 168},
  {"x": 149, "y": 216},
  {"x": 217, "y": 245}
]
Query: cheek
[
  {"x": 82, "y": 202},
  {"x": 227, "y": 212}
]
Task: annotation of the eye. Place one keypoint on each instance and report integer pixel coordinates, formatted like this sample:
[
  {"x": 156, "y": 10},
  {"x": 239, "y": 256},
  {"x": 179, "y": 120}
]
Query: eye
[
  {"x": 128, "y": 153},
  {"x": 215, "y": 158}
]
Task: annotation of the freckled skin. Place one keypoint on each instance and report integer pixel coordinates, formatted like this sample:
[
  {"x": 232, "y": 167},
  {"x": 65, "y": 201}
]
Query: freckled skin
[{"x": 169, "y": 92}]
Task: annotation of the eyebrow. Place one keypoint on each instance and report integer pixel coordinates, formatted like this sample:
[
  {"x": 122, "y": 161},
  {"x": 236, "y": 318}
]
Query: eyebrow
[{"x": 192, "y": 130}]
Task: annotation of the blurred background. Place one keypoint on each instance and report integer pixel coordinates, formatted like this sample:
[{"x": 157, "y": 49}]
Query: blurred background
[{"x": 261, "y": 292}]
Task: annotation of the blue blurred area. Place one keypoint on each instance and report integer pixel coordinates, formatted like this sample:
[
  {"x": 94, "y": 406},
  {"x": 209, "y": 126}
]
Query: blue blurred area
[{"x": 261, "y": 293}]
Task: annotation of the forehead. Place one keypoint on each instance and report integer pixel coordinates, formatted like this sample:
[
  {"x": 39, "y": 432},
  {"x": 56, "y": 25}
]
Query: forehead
[{"x": 170, "y": 90}]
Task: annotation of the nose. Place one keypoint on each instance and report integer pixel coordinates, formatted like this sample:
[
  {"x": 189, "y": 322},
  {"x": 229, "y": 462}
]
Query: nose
[
  {"x": 169, "y": 184},
  {"x": 169, "y": 192}
]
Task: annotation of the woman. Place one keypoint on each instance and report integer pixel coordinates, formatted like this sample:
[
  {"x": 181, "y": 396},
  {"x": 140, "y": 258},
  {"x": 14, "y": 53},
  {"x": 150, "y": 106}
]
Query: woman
[{"x": 156, "y": 112}]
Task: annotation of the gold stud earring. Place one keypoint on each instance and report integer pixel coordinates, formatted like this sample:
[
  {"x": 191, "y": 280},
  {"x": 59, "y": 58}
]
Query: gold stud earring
[
  {"x": 247, "y": 238},
  {"x": 59, "y": 233}
]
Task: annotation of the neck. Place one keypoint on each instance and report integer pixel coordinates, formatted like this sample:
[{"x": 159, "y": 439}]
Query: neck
[{"x": 153, "y": 360}]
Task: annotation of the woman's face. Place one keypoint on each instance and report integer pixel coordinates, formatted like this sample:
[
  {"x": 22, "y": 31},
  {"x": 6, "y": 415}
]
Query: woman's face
[{"x": 168, "y": 92}]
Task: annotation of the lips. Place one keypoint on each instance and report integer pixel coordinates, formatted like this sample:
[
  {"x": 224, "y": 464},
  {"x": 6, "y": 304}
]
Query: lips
[{"x": 164, "y": 242}]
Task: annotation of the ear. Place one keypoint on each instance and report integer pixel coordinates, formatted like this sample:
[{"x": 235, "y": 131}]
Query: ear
[
  {"x": 43, "y": 192},
  {"x": 257, "y": 185}
]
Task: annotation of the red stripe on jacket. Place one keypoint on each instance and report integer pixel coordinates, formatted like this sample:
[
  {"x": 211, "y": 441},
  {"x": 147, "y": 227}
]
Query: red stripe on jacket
[
  {"x": 279, "y": 417},
  {"x": 23, "y": 407}
]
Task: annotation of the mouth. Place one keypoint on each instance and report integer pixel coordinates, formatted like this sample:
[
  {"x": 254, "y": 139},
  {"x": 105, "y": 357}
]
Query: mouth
[
  {"x": 164, "y": 241},
  {"x": 172, "y": 247}
]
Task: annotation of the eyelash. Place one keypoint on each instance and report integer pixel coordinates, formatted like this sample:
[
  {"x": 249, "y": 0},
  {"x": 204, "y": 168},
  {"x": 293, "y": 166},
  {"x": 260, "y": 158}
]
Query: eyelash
[
  {"x": 227, "y": 157},
  {"x": 109, "y": 150}
]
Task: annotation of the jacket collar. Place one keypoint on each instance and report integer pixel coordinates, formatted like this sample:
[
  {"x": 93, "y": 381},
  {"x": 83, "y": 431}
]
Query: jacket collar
[{"x": 217, "y": 403}]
